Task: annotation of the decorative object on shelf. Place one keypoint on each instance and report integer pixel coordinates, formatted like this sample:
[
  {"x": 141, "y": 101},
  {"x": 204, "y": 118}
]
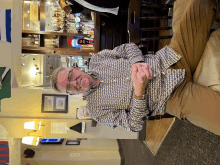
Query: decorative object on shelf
[
  {"x": 72, "y": 142},
  {"x": 51, "y": 43},
  {"x": 82, "y": 113},
  {"x": 77, "y": 19},
  {"x": 88, "y": 48},
  {"x": 77, "y": 14},
  {"x": 80, "y": 127},
  {"x": 79, "y": 42},
  {"x": 54, "y": 103},
  {"x": 34, "y": 15},
  {"x": 5, "y": 25}
]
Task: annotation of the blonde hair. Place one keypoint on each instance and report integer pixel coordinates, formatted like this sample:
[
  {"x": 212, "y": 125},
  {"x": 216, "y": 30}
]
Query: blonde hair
[{"x": 53, "y": 79}]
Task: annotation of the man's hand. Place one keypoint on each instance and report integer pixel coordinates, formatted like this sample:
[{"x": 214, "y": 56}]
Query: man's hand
[
  {"x": 67, "y": 9},
  {"x": 141, "y": 74}
]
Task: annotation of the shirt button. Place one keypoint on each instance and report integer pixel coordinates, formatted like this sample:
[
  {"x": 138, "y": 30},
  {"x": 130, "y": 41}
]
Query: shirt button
[{"x": 127, "y": 78}]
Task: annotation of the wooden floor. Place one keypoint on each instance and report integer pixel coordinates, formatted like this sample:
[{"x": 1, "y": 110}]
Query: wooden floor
[{"x": 156, "y": 131}]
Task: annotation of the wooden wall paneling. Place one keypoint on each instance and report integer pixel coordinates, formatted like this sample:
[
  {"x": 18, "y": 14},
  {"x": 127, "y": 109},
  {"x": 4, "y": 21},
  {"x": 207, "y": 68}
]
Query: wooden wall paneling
[
  {"x": 63, "y": 42},
  {"x": 102, "y": 32},
  {"x": 116, "y": 34},
  {"x": 124, "y": 33},
  {"x": 97, "y": 27},
  {"x": 109, "y": 34},
  {"x": 42, "y": 40}
]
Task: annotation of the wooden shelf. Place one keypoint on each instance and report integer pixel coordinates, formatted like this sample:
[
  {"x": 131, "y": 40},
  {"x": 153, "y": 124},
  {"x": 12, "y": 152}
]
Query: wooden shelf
[
  {"x": 54, "y": 33},
  {"x": 54, "y": 51}
]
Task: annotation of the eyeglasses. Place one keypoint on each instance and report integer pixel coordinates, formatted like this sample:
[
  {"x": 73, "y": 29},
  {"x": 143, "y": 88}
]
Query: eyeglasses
[{"x": 70, "y": 75}]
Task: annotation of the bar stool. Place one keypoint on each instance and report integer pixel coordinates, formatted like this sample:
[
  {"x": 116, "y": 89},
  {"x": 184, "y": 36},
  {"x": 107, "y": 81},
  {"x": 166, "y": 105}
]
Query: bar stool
[{"x": 151, "y": 14}]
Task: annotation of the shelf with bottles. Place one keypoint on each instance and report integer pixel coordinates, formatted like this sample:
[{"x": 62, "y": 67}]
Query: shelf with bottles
[{"x": 30, "y": 40}]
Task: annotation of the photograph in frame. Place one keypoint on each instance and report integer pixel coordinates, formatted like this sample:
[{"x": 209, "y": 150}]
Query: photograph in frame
[{"x": 54, "y": 103}]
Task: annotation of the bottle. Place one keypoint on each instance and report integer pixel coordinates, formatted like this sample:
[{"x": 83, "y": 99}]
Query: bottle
[
  {"x": 36, "y": 43},
  {"x": 36, "y": 37}
]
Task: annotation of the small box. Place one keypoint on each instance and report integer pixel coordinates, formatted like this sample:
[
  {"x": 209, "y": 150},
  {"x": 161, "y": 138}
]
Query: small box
[{"x": 34, "y": 12}]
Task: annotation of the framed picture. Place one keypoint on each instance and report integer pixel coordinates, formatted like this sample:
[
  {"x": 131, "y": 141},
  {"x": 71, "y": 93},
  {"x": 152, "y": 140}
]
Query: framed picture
[
  {"x": 53, "y": 103},
  {"x": 72, "y": 142}
]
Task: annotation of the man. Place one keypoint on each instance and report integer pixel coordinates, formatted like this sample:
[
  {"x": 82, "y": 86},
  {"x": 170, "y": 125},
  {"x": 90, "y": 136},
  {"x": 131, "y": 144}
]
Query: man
[{"x": 115, "y": 84}]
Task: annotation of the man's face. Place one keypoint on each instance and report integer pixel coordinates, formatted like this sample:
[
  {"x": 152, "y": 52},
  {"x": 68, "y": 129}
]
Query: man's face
[{"x": 79, "y": 82}]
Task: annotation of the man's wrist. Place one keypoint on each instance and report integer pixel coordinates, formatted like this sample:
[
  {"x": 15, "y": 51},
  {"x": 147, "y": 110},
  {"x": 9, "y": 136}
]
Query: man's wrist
[{"x": 138, "y": 97}]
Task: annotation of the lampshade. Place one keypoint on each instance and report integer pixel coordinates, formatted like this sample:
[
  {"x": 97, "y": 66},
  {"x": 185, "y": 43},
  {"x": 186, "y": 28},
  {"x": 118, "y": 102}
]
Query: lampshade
[
  {"x": 39, "y": 126},
  {"x": 30, "y": 140},
  {"x": 32, "y": 125}
]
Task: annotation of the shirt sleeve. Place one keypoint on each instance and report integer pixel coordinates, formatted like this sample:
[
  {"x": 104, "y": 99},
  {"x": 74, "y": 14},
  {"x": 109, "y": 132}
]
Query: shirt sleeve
[
  {"x": 131, "y": 121},
  {"x": 128, "y": 51}
]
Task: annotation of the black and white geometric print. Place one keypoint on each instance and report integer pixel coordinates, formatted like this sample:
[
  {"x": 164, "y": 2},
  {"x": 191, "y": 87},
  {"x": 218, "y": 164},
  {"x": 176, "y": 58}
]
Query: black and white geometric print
[{"x": 112, "y": 103}]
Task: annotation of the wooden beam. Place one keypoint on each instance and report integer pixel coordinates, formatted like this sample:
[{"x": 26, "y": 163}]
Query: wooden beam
[
  {"x": 97, "y": 33},
  {"x": 45, "y": 48},
  {"x": 55, "y": 51}
]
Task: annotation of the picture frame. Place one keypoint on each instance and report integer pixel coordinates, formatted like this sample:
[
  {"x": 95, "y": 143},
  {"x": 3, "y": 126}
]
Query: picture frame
[
  {"x": 54, "y": 103},
  {"x": 72, "y": 142}
]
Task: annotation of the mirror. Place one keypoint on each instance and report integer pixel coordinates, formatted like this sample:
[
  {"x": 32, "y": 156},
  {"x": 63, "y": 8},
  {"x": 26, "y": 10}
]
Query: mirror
[
  {"x": 46, "y": 30},
  {"x": 37, "y": 69}
]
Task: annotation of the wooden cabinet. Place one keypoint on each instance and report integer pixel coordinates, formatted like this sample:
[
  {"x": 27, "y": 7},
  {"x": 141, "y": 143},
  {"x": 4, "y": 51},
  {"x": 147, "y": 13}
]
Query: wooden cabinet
[
  {"x": 37, "y": 21},
  {"x": 53, "y": 43}
]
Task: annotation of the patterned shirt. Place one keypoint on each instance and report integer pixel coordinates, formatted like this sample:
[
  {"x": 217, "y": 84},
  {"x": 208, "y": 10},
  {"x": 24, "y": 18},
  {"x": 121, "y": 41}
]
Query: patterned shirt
[{"x": 112, "y": 102}]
